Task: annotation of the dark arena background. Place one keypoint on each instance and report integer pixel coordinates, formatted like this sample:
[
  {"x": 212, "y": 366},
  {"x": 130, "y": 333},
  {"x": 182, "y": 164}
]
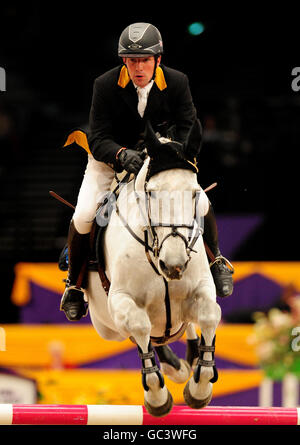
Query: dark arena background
[{"x": 242, "y": 67}]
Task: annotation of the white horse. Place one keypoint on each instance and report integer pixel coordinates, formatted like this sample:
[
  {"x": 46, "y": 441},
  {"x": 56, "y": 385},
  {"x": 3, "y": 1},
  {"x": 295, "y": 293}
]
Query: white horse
[{"x": 160, "y": 281}]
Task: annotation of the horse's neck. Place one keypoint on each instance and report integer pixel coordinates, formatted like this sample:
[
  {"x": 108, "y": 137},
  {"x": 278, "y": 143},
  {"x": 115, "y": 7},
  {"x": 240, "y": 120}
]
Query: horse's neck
[
  {"x": 127, "y": 201},
  {"x": 129, "y": 208}
]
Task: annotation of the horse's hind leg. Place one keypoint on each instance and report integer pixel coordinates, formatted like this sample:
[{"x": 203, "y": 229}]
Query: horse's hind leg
[
  {"x": 134, "y": 322},
  {"x": 175, "y": 368}
]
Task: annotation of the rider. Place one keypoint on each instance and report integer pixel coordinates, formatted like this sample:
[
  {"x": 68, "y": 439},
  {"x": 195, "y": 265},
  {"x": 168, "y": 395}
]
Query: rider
[{"x": 117, "y": 120}]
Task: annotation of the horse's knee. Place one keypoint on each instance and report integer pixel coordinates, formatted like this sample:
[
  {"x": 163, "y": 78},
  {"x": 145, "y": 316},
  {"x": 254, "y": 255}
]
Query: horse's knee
[
  {"x": 208, "y": 312},
  {"x": 204, "y": 312},
  {"x": 211, "y": 317},
  {"x": 140, "y": 327},
  {"x": 130, "y": 319}
]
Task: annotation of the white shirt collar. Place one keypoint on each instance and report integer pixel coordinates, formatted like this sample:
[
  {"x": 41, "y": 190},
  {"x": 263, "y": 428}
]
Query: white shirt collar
[{"x": 147, "y": 88}]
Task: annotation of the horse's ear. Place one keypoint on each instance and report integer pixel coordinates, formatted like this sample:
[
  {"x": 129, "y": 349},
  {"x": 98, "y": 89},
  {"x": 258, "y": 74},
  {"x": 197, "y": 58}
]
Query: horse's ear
[{"x": 151, "y": 140}]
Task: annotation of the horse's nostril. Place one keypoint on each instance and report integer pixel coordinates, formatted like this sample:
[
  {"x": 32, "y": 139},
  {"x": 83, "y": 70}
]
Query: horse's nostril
[
  {"x": 162, "y": 265},
  {"x": 172, "y": 272}
]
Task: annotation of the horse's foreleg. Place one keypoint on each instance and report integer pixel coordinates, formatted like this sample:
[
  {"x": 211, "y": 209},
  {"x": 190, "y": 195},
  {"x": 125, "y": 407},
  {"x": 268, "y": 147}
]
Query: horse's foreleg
[
  {"x": 192, "y": 346},
  {"x": 134, "y": 322},
  {"x": 198, "y": 391}
]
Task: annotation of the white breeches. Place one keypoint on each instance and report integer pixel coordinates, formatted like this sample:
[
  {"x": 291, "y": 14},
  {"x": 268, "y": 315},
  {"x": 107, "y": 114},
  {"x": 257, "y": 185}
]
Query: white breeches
[
  {"x": 203, "y": 204},
  {"x": 97, "y": 181}
]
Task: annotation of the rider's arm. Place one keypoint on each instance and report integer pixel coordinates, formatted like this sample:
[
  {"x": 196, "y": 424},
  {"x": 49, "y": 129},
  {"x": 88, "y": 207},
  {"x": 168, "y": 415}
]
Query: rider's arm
[
  {"x": 185, "y": 114},
  {"x": 101, "y": 141}
]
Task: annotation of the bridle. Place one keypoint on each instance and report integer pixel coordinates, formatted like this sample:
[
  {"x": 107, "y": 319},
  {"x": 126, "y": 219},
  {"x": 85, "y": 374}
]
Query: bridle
[
  {"x": 151, "y": 239},
  {"x": 195, "y": 228}
]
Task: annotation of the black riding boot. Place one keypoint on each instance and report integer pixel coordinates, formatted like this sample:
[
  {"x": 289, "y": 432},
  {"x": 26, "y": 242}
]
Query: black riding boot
[
  {"x": 72, "y": 302},
  {"x": 222, "y": 274}
]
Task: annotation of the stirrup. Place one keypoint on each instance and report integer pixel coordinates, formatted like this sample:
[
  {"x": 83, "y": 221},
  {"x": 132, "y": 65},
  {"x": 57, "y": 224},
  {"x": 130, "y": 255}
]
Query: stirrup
[
  {"x": 220, "y": 259},
  {"x": 63, "y": 303},
  {"x": 68, "y": 287}
]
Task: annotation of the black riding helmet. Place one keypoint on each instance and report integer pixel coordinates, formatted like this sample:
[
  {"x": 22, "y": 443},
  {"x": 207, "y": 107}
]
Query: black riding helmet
[{"x": 140, "y": 39}]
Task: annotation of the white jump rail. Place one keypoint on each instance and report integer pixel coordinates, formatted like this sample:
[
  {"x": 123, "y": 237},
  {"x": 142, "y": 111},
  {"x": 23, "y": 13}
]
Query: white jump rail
[{"x": 14, "y": 414}]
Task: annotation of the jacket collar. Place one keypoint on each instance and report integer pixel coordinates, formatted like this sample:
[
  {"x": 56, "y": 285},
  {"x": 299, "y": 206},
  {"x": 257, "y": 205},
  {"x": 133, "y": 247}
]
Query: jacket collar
[{"x": 159, "y": 79}]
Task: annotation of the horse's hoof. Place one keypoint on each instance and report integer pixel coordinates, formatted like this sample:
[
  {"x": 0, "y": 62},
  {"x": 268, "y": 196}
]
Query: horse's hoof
[
  {"x": 160, "y": 411},
  {"x": 191, "y": 401}
]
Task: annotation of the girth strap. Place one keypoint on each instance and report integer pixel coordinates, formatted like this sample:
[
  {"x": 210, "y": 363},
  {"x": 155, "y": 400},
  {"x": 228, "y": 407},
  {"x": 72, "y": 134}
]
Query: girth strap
[{"x": 164, "y": 340}]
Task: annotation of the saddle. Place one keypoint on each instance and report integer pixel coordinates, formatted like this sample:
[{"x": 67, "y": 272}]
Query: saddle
[{"x": 96, "y": 257}]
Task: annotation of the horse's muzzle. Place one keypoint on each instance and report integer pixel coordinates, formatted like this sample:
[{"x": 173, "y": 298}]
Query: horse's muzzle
[{"x": 172, "y": 272}]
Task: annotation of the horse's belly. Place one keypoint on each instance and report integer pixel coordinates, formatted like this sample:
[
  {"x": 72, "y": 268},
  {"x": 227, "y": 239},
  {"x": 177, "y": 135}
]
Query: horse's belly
[{"x": 161, "y": 315}]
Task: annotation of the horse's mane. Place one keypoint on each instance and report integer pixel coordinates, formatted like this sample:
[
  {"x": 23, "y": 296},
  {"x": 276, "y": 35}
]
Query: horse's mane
[
  {"x": 166, "y": 159},
  {"x": 167, "y": 153}
]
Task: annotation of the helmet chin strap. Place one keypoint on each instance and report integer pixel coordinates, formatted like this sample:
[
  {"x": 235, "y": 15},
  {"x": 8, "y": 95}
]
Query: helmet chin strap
[{"x": 155, "y": 66}]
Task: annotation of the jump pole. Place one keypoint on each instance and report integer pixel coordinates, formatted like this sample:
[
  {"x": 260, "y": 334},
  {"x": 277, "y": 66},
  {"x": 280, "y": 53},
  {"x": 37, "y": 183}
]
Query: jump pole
[{"x": 13, "y": 414}]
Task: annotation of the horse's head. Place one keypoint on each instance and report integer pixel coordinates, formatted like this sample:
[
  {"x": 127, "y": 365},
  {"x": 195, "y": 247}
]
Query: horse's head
[{"x": 172, "y": 192}]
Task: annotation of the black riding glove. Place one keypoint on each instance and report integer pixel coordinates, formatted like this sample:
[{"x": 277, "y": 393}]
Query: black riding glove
[{"x": 131, "y": 160}]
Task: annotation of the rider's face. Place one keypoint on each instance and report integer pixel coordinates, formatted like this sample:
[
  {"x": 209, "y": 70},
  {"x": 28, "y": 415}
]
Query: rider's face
[{"x": 141, "y": 69}]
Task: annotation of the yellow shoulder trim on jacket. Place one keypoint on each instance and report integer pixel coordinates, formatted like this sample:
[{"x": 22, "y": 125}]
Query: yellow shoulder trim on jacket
[
  {"x": 160, "y": 79},
  {"x": 78, "y": 137},
  {"x": 124, "y": 78}
]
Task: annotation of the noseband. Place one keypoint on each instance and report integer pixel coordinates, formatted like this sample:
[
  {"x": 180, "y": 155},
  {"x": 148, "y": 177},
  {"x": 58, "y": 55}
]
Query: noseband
[{"x": 195, "y": 228}]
